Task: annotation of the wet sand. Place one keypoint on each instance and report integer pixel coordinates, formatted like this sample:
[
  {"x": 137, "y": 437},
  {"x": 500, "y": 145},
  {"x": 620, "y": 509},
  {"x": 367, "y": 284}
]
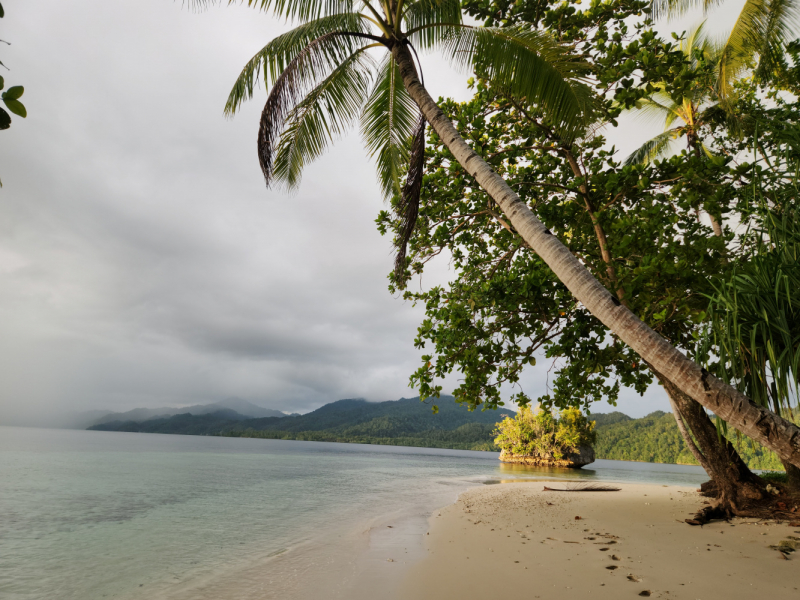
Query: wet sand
[{"x": 515, "y": 540}]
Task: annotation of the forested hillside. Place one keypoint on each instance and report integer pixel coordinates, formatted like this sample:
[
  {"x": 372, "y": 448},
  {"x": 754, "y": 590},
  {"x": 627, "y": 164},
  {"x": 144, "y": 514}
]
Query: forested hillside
[
  {"x": 655, "y": 438},
  {"x": 407, "y": 422}
]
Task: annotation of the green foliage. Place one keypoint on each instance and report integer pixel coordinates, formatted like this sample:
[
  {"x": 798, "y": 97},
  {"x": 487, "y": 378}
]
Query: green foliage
[
  {"x": 755, "y": 42},
  {"x": 317, "y": 89},
  {"x": 406, "y": 422},
  {"x": 538, "y": 433},
  {"x": 638, "y": 228},
  {"x": 655, "y": 438},
  {"x": 755, "y": 318},
  {"x": 10, "y": 98},
  {"x": 775, "y": 476}
]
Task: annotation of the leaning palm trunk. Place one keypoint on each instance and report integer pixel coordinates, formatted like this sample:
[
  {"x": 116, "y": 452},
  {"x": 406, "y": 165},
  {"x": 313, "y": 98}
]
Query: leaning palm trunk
[
  {"x": 759, "y": 423},
  {"x": 321, "y": 73}
]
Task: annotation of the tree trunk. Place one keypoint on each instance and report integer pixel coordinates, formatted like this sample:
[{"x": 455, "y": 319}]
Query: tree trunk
[
  {"x": 793, "y": 475},
  {"x": 687, "y": 436},
  {"x": 735, "y": 484},
  {"x": 760, "y": 424}
]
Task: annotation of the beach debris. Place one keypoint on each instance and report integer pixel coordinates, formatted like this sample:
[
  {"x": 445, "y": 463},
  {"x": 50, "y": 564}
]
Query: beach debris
[
  {"x": 794, "y": 524},
  {"x": 583, "y": 487},
  {"x": 773, "y": 490},
  {"x": 603, "y": 549},
  {"x": 389, "y": 526},
  {"x": 615, "y": 557},
  {"x": 645, "y": 593},
  {"x": 578, "y": 518},
  {"x": 634, "y": 578},
  {"x": 612, "y": 567},
  {"x": 787, "y": 546},
  {"x": 389, "y": 560}
]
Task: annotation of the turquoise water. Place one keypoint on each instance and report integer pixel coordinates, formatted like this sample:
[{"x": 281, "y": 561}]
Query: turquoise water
[{"x": 88, "y": 514}]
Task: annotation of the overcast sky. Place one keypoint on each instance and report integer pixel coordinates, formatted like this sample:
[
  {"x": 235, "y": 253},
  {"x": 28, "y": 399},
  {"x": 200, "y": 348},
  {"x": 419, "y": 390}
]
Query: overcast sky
[{"x": 142, "y": 260}]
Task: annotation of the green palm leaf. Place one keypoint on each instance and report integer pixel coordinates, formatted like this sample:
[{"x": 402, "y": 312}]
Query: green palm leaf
[
  {"x": 315, "y": 62},
  {"x": 652, "y": 148},
  {"x": 268, "y": 64},
  {"x": 528, "y": 64},
  {"x": 760, "y": 31},
  {"x": 428, "y": 22},
  {"x": 670, "y": 9},
  {"x": 387, "y": 124},
  {"x": 323, "y": 116},
  {"x": 291, "y": 9}
]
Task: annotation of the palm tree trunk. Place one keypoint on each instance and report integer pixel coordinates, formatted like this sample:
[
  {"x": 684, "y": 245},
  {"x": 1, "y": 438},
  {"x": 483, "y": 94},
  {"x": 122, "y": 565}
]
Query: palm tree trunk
[
  {"x": 732, "y": 482},
  {"x": 760, "y": 424}
]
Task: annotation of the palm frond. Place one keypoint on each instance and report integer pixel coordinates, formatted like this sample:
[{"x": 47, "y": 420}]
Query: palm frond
[
  {"x": 273, "y": 59},
  {"x": 289, "y": 9},
  {"x": 387, "y": 124},
  {"x": 427, "y": 21},
  {"x": 323, "y": 116},
  {"x": 528, "y": 64},
  {"x": 656, "y": 108},
  {"x": 761, "y": 29},
  {"x": 652, "y": 148},
  {"x": 312, "y": 64},
  {"x": 671, "y": 9},
  {"x": 408, "y": 208},
  {"x": 782, "y": 25}
]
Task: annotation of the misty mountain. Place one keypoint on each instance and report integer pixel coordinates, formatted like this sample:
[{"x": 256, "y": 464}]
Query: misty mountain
[{"x": 242, "y": 407}]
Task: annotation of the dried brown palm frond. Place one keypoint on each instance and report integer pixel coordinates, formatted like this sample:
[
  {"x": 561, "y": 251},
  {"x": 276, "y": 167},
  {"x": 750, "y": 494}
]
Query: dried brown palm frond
[
  {"x": 408, "y": 207},
  {"x": 584, "y": 487}
]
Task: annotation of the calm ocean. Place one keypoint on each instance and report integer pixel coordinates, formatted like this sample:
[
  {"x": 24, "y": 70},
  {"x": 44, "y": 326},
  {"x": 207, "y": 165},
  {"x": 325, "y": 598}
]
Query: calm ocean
[{"x": 87, "y": 514}]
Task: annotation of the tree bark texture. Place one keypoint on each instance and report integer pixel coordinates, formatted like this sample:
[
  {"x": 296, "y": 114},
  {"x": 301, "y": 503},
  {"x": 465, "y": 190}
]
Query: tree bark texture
[
  {"x": 687, "y": 436},
  {"x": 736, "y": 484},
  {"x": 793, "y": 476},
  {"x": 728, "y": 403}
]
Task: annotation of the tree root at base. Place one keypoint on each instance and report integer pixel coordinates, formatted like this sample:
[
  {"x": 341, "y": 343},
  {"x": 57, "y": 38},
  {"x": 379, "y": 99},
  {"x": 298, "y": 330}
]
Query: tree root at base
[{"x": 781, "y": 505}]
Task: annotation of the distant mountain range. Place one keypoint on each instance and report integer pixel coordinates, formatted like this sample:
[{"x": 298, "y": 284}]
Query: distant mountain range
[
  {"x": 82, "y": 420},
  {"x": 243, "y": 408},
  {"x": 408, "y": 422}
]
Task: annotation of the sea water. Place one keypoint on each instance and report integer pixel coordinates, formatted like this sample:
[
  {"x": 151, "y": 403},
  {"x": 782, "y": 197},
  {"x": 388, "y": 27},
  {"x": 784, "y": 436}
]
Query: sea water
[{"x": 90, "y": 514}]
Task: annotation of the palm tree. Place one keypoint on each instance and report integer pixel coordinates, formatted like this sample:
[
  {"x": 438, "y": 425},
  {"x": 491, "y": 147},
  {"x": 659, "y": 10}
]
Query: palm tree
[
  {"x": 758, "y": 37},
  {"x": 693, "y": 111},
  {"x": 320, "y": 74},
  {"x": 690, "y": 111}
]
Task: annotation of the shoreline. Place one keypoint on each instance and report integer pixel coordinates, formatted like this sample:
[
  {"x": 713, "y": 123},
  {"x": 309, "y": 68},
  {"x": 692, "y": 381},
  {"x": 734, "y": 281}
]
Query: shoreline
[{"x": 520, "y": 541}]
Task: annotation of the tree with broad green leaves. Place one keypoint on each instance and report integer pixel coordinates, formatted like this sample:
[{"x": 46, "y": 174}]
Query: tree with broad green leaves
[
  {"x": 321, "y": 75},
  {"x": 10, "y": 97},
  {"x": 634, "y": 226},
  {"x": 536, "y": 433},
  {"x": 756, "y": 41}
]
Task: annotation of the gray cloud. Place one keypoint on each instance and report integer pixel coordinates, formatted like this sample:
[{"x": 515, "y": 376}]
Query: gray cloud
[{"x": 142, "y": 261}]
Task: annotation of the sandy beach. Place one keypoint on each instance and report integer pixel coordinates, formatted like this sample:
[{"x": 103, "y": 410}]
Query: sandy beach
[{"x": 514, "y": 540}]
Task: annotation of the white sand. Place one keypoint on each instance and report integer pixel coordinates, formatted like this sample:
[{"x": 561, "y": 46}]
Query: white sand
[{"x": 516, "y": 541}]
